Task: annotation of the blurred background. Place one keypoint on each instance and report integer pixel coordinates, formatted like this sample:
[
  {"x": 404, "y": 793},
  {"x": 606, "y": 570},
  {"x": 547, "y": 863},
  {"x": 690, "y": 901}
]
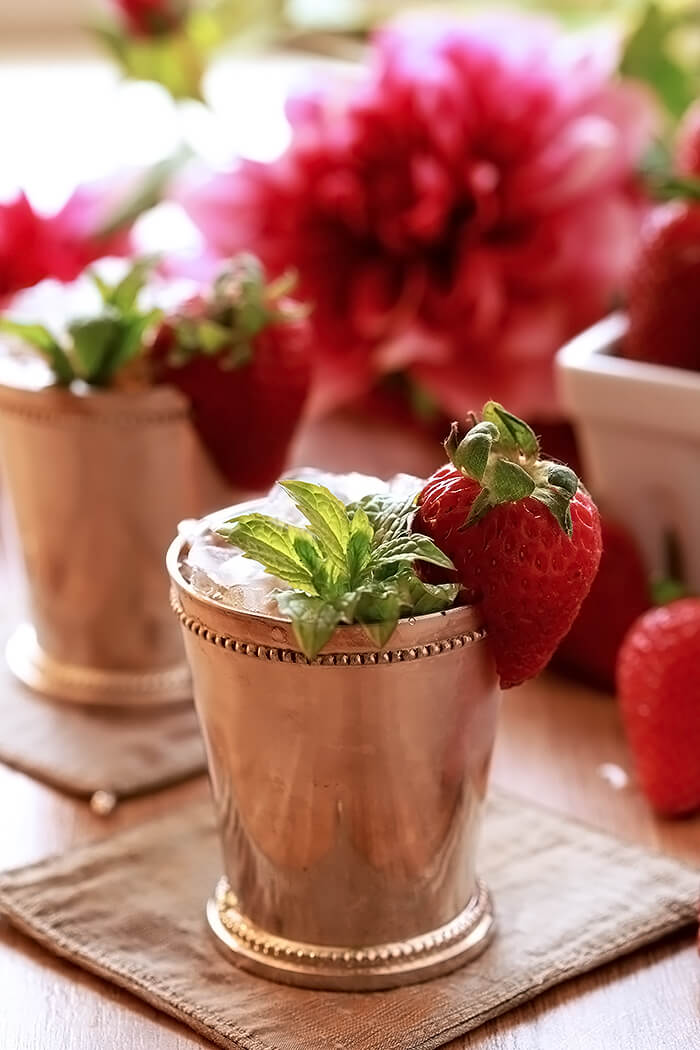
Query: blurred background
[{"x": 461, "y": 190}]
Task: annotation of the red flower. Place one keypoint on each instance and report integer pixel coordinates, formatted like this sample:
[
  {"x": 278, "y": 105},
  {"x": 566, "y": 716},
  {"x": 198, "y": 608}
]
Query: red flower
[
  {"x": 459, "y": 217},
  {"x": 34, "y": 246},
  {"x": 151, "y": 17}
]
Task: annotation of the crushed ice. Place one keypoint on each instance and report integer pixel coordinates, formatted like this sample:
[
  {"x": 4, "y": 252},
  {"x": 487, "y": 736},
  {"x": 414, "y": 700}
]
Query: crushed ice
[{"x": 217, "y": 570}]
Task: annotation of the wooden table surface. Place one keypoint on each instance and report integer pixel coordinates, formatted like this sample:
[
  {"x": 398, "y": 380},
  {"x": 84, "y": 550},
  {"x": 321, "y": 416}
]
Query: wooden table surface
[{"x": 559, "y": 744}]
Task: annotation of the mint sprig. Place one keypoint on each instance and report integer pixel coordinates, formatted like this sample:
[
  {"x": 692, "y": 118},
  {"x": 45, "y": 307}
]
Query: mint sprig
[
  {"x": 351, "y": 564},
  {"x": 95, "y": 349}
]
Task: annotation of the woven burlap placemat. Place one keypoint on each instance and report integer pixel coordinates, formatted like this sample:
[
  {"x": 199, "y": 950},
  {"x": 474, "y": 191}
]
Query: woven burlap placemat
[
  {"x": 101, "y": 753},
  {"x": 131, "y": 909}
]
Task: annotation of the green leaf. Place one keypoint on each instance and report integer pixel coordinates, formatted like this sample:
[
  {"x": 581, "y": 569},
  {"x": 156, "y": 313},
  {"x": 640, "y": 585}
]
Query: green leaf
[
  {"x": 388, "y": 515},
  {"x": 411, "y": 547},
  {"x": 272, "y": 543},
  {"x": 481, "y": 505},
  {"x": 563, "y": 478},
  {"x": 378, "y": 610},
  {"x": 372, "y": 584},
  {"x": 313, "y": 620},
  {"x": 125, "y": 294},
  {"x": 418, "y": 597},
  {"x": 514, "y": 432},
  {"x": 133, "y": 338},
  {"x": 508, "y": 482},
  {"x": 308, "y": 552},
  {"x": 472, "y": 453},
  {"x": 326, "y": 515},
  {"x": 359, "y": 546},
  {"x": 94, "y": 341},
  {"x": 558, "y": 504},
  {"x": 41, "y": 339}
]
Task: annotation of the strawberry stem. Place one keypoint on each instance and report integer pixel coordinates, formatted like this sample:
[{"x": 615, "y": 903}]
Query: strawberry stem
[{"x": 502, "y": 452}]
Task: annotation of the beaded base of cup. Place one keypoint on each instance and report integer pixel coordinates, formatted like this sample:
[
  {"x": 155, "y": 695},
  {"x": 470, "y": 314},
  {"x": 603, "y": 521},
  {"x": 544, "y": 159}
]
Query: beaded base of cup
[
  {"x": 352, "y": 969},
  {"x": 93, "y": 686}
]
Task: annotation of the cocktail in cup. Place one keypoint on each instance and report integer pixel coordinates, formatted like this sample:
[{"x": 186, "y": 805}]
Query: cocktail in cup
[
  {"x": 110, "y": 434},
  {"x": 348, "y": 692},
  {"x": 348, "y": 787}
]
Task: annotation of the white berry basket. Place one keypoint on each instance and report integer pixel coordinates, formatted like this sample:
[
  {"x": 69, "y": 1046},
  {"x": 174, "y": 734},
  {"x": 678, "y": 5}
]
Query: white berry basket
[{"x": 638, "y": 427}]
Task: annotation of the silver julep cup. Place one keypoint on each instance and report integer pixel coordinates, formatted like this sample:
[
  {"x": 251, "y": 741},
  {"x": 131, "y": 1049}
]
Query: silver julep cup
[
  {"x": 98, "y": 482},
  {"x": 348, "y": 791}
]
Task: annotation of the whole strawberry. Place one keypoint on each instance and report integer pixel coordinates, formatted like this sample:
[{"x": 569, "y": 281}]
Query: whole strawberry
[
  {"x": 618, "y": 595},
  {"x": 523, "y": 535},
  {"x": 663, "y": 294},
  {"x": 659, "y": 691},
  {"x": 242, "y": 355}
]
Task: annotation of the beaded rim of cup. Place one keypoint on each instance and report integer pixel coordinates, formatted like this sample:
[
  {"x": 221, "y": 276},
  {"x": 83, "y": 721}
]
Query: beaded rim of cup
[
  {"x": 293, "y": 656},
  {"x": 384, "y": 956}
]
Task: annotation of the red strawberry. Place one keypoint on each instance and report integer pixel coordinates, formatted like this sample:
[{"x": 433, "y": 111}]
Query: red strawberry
[
  {"x": 522, "y": 533},
  {"x": 664, "y": 303},
  {"x": 243, "y": 357},
  {"x": 618, "y": 595},
  {"x": 659, "y": 690}
]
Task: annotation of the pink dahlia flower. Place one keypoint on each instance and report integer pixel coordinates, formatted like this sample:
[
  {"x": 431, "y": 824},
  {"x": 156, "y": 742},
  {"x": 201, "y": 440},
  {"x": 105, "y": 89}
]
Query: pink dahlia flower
[
  {"x": 469, "y": 207},
  {"x": 34, "y": 247}
]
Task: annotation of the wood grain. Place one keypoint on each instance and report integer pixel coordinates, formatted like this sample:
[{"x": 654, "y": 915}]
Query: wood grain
[{"x": 554, "y": 739}]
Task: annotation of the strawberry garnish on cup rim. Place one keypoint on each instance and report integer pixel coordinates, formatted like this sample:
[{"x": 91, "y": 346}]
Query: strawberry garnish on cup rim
[{"x": 522, "y": 532}]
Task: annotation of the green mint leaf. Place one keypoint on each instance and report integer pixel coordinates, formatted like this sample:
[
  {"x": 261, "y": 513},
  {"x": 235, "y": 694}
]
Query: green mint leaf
[
  {"x": 367, "y": 583},
  {"x": 346, "y": 604},
  {"x": 325, "y": 578},
  {"x": 313, "y": 620},
  {"x": 514, "y": 432},
  {"x": 359, "y": 546},
  {"x": 272, "y": 543},
  {"x": 132, "y": 339},
  {"x": 380, "y": 632},
  {"x": 412, "y": 547},
  {"x": 124, "y": 295},
  {"x": 388, "y": 515},
  {"x": 95, "y": 340},
  {"x": 418, "y": 597},
  {"x": 41, "y": 339},
  {"x": 308, "y": 552},
  {"x": 103, "y": 287},
  {"x": 104, "y": 345},
  {"x": 326, "y": 515},
  {"x": 378, "y": 609}
]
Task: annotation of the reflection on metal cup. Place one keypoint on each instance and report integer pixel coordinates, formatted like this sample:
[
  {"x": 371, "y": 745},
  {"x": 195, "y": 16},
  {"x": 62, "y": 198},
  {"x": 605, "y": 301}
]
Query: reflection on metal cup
[
  {"x": 98, "y": 482},
  {"x": 348, "y": 791}
]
